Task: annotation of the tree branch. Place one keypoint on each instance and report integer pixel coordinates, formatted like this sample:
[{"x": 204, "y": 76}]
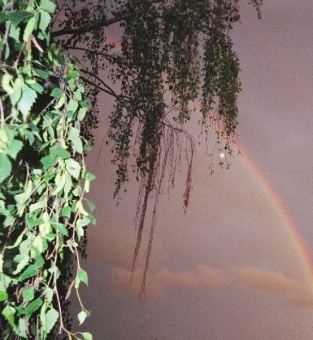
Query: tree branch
[
  {"x": 101, "y": 23},
  {"x": 96, "y": 25}
]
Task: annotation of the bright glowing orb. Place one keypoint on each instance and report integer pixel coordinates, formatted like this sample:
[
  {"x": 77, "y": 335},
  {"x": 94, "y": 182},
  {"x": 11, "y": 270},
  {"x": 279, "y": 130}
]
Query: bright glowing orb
[{"x": 222, "y": 155}]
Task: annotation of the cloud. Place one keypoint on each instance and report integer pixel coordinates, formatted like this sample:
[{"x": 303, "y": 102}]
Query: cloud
[
  {"x": 159, "y": 282},
  {"x": 164, "y": 282},
  {"x": 297, "y": 292}
]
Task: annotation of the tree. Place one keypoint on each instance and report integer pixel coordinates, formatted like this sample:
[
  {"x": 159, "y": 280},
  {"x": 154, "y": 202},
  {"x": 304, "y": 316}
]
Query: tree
[{"x": 171, "y": 54}]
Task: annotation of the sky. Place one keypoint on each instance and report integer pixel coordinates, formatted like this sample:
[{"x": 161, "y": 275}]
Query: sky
[{"x": 239, "y": 264}]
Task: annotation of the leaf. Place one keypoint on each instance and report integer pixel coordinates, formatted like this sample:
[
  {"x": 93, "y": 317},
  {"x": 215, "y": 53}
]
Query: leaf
[
  {"x": 45, "y": 19},
  {"x": 74, "y": 136},
  {"x": 47, "y": 5},
  {"x": 3, "y": 296},
  {"x": 32, "y": 307},
  {"x": 51, "y": 318},
  {"x": 91, "y": 206},
  {"x": 82, "y": 316},
  {"x": 56, "y": 92},
  {"x": 14, "y": 148},
  {"x": 28, "y": 294},
  {"x": 73, "y": 167},
  {"x": 86, "y": 335},
  {"x": 30, "y": 271},
  {"x": 73, "y": 74},
  {"x": 60, "y": 183},
  {"x": 60, "y": 227},
  {"x": 6, "y": 83},
  {"x": 8, "y": 312},
  {"x": 66, "y": 212},
  {"x": 63, "y": 153},
  {"x": 30, "y": 26},
  {"x": 41, "y": 73},
  {"x": 5, "y": 167},
  {"x": 18, "y": 16},
  {"x": 72, "y": 105},
  {"x": 17, "y": 87},
  {"x": 15, "y": 33},
  {"x": 82, "y": 113},
  {"x": 23, "y": 263},
  {"x": 28, "y": 98},
  {"x": 33, "y": 221},
  {"x": 22, "y": 328},
  {"x": 48, "y": 161},
  {"x": 83, "y": 276},
  {"x": 37, "y": 87}
]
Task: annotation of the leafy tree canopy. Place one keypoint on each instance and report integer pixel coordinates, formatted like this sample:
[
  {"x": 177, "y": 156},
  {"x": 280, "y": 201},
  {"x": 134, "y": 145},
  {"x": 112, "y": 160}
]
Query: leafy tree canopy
[{"x": 169, "y": 55}]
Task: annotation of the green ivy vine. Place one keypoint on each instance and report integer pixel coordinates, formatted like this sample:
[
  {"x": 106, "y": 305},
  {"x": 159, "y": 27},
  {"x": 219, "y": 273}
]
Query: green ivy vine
[{"x": 43, "y": 176}]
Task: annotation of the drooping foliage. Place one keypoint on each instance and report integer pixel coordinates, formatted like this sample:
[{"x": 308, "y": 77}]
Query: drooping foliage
[
  {"x": 43, "y": 176},
  {"x": 164, "y": 62}
]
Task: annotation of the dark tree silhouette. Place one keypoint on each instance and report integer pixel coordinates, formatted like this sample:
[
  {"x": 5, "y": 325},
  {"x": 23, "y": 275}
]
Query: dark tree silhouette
[{"x": 170, "y": 53}]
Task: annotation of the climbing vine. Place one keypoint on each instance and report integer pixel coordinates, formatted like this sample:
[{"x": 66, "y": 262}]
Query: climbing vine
[{"x": 43, "y": 177}]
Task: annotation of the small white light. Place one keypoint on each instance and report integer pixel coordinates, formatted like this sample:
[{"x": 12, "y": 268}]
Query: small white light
[{"x": 222, "y": 155}]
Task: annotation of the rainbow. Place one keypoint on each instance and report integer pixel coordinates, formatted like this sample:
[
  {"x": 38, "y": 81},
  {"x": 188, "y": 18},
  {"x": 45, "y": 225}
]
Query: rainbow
[{"x": 283, "y": 215}]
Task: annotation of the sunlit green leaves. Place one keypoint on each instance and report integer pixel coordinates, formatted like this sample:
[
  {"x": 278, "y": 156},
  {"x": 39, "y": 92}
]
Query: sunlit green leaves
[
  {"x": 30, "y": 26},
  {"x": 42, "y": 175},
  {"x": 47, "y": 5},
  {"x": 5, "y": 167},
  {"x": 28, "y": 99}
]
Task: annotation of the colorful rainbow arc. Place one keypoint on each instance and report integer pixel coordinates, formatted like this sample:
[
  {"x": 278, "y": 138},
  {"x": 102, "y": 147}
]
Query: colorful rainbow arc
[{"x": 279, "y": 209}]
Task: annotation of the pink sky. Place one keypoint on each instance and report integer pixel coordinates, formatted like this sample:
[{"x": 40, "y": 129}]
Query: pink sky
[{"x": 227, "y": 269}]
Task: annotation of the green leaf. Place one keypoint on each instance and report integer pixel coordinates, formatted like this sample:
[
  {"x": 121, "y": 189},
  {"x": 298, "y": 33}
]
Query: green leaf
[
  {"x": 21, "y": 330},
  {"x": 63, "y": 153},
  {"x": 18, "y": 16},
  {"x": 73, "y": 167},
  {"x": 51, "y": 318},
  {"x": 82, "y": 316},
  {"x": 15, "y": 33},
  {"x": 72, "y": 74},
  {"x": 86, "y": 335},
  {"x": 34, "y": 221},
  {"x": 48, "y": 161},
  {"x": 60, "y": 181},
  {"x": 37, "y": 205},
  {"x": 37, "y": 87},
  {"x": 41, "y": 73},
  {"x": 91, "y": 206},
  {"x": 8, "y": 312},
  {"x": 17, "y": 87},
  {"x": 23, "y": 263},
  {"x": 83, "y": 276},
  {"x": 28, "y": 294},
  {"x": 82, "y": 113},
  {"x": 28, "y": 98},
  {"x": 33, "y": 268},
  {"x": 83, "y": 222},
  {"x": 45, "y": 19},
  {"x": 47, "y": 5},
  {"x": 56, "y": 92},
  {"x": 3, "y": 296},
  {"x": 5, "y": 167},
  {"x": 74, "y": 136},
  {"x": 30, "y": 26},
  {"x": 32, "y": 307},
  {"x": 60, "y": 227},
  {"x": 6, "y": 83},
  {"x": 72, "y": 105},
  {"x": 66, "y": 212},
  {"x": 14, "y": 148}
]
